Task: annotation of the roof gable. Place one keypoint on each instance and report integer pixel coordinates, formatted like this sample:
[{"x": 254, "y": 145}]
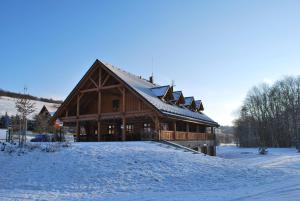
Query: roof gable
[
  {"x": 178, "y": 97},
  {"x": 160, "y": 91},
  {"x": 199, "y": 105}
]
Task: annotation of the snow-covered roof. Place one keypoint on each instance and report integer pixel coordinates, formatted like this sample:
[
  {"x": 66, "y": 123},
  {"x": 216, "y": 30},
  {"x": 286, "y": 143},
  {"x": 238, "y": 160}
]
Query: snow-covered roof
[
  {"x": 144, "y": 88},
  {"x": 177, "y": 95},
  {"x": 160, "y": 91},
  {"x": 188, "y": 100},
  {"x": 51, "y": 109},
  {"x": 199, "y": 105}
]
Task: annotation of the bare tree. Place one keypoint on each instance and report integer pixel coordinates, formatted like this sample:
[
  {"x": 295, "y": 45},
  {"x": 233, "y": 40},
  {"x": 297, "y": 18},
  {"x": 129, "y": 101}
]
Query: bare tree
[
  {"x": 24, "y": 107},
  {"x": 270, "y": 115}
]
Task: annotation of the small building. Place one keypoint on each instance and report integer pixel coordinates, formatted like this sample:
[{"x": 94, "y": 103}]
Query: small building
[
  {"x": 109, "y": 104},
  {"x": 48, "y": 111}
]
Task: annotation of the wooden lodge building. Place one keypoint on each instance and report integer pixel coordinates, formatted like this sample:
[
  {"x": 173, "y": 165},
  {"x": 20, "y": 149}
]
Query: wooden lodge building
[{"x": 109, "y": 104}]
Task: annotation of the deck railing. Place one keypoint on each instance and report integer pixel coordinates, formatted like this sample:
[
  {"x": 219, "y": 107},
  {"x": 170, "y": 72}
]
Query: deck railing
[{"x": 182, "y": 135}]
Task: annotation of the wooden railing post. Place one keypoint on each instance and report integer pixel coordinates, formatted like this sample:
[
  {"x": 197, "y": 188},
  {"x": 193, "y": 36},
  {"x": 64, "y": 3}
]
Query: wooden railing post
[
  {"x": 99, "y": 130},
  {"x": 174, "y": 134},
  {"x": 124, "y": 112}
]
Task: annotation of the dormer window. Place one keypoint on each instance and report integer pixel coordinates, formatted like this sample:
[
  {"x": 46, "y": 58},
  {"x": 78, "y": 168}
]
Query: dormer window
[{"x": 164, "y": 93}]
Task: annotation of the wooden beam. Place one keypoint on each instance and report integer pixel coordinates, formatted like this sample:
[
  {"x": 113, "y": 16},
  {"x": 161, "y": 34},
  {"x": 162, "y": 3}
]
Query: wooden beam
[
  {"x": 105, "y": 79},
  {"x": 78, "y": 106},
  {"x": 69, "y": 119},
  {"x": 95, "y": 84},
  {"x": 96, "y": 89},
  {"x": 88, "y": 117},
  {"x": 99, "y": 77},
  {"x": 124, "y": 100},
  {"x": 111, "y": 86},
  {"x": 120, "y": 89},
  {"x": 89, "y": 90}
]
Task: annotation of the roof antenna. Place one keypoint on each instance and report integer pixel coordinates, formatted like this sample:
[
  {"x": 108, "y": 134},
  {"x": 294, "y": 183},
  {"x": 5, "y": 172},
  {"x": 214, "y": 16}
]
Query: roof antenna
[
  {"x": 151, "y": 77},
  {"x": 173, "y": 83}
]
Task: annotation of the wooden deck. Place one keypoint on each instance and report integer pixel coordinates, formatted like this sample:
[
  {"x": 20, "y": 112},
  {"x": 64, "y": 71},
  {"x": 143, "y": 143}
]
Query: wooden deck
[{"x": 179, "y": 135}]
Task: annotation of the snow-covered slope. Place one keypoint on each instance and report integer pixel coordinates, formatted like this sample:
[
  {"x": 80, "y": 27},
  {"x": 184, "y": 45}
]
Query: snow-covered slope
[
  {"x": 146, "y": 171},
  {"x": 7, "y": 104}
]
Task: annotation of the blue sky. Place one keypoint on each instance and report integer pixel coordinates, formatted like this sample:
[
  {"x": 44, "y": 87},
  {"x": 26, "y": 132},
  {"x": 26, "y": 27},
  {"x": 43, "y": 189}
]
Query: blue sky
[{"x": 214, "y": 50}]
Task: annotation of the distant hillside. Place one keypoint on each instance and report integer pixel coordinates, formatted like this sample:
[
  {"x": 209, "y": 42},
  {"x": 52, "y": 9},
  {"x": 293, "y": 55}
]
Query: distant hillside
[
  {"x": 8, "y": 103},
  {"x": 18, "y": 95}
]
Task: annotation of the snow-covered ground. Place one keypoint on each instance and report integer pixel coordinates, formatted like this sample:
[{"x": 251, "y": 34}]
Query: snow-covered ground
[
  {"x": 2, "y": 134},
  {"x": 149, "y": 171},
  {"x": 7, "y": 104}
]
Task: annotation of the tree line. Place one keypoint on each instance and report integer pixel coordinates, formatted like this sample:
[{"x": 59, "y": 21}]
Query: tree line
[
  {"x": 30, "y": 97},
  {"x": 270, "y": 115}
]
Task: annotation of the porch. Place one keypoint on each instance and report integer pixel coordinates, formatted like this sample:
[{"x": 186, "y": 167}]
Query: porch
[{"x": 185, "y": 136}]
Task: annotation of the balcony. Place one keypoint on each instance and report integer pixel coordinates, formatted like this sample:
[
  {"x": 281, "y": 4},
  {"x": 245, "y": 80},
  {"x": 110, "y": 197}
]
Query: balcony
[{"x": 181, "y": 135}]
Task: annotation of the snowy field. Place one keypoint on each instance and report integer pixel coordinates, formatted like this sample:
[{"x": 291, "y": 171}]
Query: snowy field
[
  {"x": 8, "y": 104},
  {"x": 149, "y": 171}
]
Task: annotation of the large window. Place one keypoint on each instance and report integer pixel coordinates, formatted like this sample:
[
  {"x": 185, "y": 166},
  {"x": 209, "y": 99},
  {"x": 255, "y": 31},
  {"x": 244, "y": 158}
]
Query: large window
[
  {"x": 111, "y": 129},
  {"x": 116, "y": 105},
  {"x": 147, "y": 127}
]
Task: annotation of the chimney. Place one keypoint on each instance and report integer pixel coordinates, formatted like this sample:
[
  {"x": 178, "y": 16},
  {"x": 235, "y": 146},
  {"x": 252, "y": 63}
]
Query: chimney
[{"x": 151, "y": 79}]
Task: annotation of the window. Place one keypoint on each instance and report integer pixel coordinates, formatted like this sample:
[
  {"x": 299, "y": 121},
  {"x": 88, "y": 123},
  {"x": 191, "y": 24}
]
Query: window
[
  {"x": 129, "y": 128},
  {"x": 116, "y": 105},
  {"x": 111, "y": 129},
  {"x": 164, "y": 126},
  {"x": 147, "y": 127}
]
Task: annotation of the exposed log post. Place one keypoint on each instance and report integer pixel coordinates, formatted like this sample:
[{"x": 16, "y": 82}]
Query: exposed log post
[
  {"x": 99, "y": 130},
  {"x": 175, "y": 129},
  {"x": 124, "y": 113},
  {"x": 123, "y": 128},
  {"x": 213, "y": 133},
  {"x": 187, "y": 130},
  {"x": 124, "y": 99},
  {"x": 99, "y": 105},
  {"x": 157, "y": 129},
  {"x": 77, "y": 130},
  {"x": 77, "y": 116},
  {"x": 78, "y": 106}
]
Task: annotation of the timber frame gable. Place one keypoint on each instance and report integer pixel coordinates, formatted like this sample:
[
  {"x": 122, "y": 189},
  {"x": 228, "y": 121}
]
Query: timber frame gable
[{"x": 88, "y": 84}]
